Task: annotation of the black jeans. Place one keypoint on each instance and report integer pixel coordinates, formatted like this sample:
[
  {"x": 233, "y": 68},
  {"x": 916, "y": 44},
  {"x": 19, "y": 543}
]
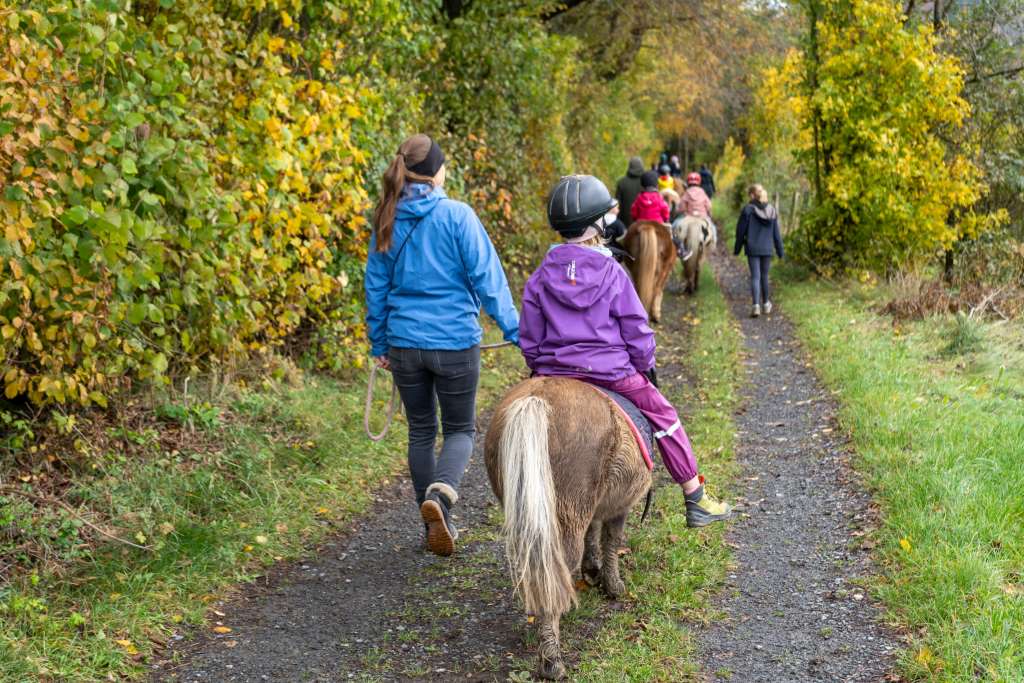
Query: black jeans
[
  {"x": 424, "y": 379},
  {"x": 759, "y": 288}
]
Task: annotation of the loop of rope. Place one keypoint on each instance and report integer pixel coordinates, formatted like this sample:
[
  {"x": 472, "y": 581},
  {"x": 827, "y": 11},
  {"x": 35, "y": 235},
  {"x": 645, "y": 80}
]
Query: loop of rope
[{"x": 393, "y": 402}]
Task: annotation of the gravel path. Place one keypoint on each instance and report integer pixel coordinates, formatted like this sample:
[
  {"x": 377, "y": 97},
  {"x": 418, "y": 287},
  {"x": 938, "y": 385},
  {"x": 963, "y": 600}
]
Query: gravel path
[
  {"x": 793, "y": 607},
  {"x": 375, "y": 606}
]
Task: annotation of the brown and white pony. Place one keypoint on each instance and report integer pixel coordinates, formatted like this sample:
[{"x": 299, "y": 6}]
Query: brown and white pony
[
  {"x": 650, "y": 245},
  {"x": 564, "y": 462},
  {"x": 693, "y": 236}
]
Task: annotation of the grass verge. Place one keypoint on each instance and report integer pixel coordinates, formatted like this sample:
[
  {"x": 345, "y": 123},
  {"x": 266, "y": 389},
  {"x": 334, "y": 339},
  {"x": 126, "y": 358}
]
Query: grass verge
[
  {"x": 935, "y": 409},
  {"x": 290, "y": 467},
  {"x": 671, "y": 570}
]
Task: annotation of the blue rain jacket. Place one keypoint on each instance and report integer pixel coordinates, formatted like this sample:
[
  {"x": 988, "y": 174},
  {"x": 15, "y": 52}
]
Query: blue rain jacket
[{"x": 430, "y": 298}]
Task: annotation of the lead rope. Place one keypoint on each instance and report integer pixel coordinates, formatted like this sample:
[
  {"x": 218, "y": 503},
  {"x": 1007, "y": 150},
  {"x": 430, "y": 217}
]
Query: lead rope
[
  {"x": 392, "y": 405},
  {"x": 393, "y": 401}
]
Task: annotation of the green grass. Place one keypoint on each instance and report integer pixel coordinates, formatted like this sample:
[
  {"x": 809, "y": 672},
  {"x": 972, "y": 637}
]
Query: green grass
[
  {"x": 672, "y": 571},
  {"x": 291, "y": 468},
  {"x": 288, "y": 471},
  {"x": 936, "y": 413}
]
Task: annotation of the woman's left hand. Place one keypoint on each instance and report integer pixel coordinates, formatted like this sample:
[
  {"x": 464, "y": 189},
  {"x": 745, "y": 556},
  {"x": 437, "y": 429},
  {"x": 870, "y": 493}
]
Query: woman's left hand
[{"x": 383, "y": 362}]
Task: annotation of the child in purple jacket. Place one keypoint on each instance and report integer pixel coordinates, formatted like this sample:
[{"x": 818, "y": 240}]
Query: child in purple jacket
[{"x": 581, "y": 317}]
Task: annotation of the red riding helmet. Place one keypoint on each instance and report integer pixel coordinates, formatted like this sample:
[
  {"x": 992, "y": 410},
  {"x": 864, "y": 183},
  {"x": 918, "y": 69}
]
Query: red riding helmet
[{"x": 693, "y": 179}]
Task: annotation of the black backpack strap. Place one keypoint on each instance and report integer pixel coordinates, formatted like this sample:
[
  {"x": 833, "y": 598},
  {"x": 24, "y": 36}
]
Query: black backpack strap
[{"x": 394, "y": 263}]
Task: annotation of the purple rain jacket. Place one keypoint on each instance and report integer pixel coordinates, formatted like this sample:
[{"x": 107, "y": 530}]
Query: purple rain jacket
[{"x": 581, "y": 316}]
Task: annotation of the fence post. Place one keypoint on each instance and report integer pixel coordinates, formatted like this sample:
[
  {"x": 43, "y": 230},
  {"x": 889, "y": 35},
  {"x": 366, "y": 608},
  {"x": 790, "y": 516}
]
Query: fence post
[{"x": 794, "y": 214}]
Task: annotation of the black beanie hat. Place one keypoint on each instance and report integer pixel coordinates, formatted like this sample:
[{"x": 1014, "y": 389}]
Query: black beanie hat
[{"x": 649, "y": 180}]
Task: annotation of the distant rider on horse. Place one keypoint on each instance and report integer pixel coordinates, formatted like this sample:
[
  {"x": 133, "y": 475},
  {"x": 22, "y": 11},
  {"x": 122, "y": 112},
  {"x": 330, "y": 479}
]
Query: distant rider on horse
[
  {"x": 695, "y": 202},
  {"x": 582, "y": 318},
  {"x": 649, "y": 204}
]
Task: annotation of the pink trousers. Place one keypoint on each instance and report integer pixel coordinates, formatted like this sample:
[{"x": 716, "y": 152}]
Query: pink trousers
[{"x": 670, "y": 436}]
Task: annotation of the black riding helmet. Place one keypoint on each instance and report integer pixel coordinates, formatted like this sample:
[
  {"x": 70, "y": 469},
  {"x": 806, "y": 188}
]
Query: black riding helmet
[
  {"x": 576, "y": 203},
  {"x": 664, "y": 169}
]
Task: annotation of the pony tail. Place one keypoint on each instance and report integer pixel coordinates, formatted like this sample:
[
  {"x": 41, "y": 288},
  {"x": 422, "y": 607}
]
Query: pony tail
[
  {"x": 533, "y": 539},
  {"x": 384, "y": 214}
]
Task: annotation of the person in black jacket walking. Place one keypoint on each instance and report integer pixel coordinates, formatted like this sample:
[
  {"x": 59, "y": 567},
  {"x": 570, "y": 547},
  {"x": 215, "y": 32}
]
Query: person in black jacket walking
[
  {"x": 707, "y": 181},
  {"x": 630, "y": 185},
  {"x": 757, "y": 231}
]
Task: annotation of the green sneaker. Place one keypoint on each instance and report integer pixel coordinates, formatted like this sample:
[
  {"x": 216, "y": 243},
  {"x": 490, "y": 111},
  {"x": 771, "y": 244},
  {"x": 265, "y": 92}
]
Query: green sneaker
[{"x": 702, "y": 508}]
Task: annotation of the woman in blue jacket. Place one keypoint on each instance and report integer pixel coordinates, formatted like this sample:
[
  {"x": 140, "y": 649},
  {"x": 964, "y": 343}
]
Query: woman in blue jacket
[
  {"x": 431, "y": 266},
  {"x": 757, "y": 231}
]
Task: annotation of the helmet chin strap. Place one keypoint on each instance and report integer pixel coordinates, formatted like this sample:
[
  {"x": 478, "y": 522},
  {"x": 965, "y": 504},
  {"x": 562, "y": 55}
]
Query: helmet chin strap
[{"x": 603, "y": 223}]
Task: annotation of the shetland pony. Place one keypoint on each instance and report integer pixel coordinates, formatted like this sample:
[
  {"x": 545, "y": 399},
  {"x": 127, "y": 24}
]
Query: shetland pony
[
  {"x": 650, "y": 245},
  {"x": 563, "y": 460}
]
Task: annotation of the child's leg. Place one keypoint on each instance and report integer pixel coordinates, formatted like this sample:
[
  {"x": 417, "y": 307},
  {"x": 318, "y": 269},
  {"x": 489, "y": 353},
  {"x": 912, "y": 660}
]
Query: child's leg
[
  {"x": 701, "y": 508},
  {"x": 673, "y": 443}
]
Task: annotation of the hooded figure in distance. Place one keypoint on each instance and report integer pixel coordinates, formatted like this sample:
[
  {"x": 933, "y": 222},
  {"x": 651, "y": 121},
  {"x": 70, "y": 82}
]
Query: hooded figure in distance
[{"x": 630, "y": 185}]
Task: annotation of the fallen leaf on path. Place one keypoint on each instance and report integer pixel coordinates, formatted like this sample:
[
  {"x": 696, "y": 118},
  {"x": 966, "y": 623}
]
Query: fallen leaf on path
[
  {"x": 128, "y": 646},
  {"x": 221, "y": 629}
]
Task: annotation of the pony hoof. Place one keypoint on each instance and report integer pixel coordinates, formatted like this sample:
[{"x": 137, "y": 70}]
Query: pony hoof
[
  {"x": 551, "y": 670},
  {"x": 615, "y": 589},
  {"x": 591, "y": 573}
]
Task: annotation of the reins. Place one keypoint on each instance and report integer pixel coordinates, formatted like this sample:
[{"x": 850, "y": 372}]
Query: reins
[{"x": 393, "y": 402}]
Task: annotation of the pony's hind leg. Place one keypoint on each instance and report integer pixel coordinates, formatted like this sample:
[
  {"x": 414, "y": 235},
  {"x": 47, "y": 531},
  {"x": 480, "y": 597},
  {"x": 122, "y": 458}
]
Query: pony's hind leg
[
  {"x": 611, "y": 541},
  {"x": 591, "y": 565},
  {"x": 549, "y": 664}
]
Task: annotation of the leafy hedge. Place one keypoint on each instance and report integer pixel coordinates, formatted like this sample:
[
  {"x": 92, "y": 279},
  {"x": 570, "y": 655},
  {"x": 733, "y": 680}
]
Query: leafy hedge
[
  {"x": 187, "y": 182},
  {"x": 179, "y": 187}
]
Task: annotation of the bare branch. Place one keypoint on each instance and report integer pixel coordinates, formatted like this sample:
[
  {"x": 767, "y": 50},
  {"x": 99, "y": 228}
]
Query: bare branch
[
  {"x": 55, "y": 501},
  {"x": 561, "y": 9},
  {"x": 1004, "y": 73}
]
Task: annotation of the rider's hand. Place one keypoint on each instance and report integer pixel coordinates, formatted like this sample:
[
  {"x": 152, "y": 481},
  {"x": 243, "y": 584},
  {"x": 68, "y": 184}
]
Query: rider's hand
[{"x": 383, "y": 362}]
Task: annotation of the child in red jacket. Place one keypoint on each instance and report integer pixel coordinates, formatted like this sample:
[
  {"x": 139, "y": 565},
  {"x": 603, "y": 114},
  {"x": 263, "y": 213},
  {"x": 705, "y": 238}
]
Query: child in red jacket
[{"x": 649, "y": 205}]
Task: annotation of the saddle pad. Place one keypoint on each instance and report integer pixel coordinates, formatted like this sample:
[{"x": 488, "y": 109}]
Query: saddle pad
[{"x": 638, "y": 424}]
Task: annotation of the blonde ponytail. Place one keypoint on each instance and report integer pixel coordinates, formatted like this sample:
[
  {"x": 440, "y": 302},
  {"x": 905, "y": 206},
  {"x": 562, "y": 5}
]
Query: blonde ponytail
[{"x": 757, "y": 193}]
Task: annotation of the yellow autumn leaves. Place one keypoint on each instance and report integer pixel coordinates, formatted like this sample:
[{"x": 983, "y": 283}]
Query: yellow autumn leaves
[
  {"x": 176, "y": 190},
  {"x": 863, "y": 109}
]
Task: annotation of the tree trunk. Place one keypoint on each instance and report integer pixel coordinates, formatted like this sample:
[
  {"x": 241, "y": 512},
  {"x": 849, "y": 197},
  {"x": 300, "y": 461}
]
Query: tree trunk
[{"x": 812, "y": 77}]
